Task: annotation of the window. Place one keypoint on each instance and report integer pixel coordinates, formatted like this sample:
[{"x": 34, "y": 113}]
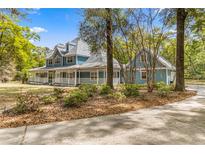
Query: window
[
  {"x": 57, "y": 60},
  {"x": 143, "y": 75},
  {"x": 44, "y": 75},
  {"x": 93, "y": 75},
  {"x": 71, "y": 75},
  {"x": 37, "y": 74},
  {"x": 115, "y": 74},
  {"x": 70, "y": 59},
  {"x": 50, "y": 61},
  {"x": 63, "y": 74}
]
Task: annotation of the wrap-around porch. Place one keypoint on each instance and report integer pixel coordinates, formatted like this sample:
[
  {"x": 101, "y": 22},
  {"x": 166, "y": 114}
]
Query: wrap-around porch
[{"x": 72, "y": 77}]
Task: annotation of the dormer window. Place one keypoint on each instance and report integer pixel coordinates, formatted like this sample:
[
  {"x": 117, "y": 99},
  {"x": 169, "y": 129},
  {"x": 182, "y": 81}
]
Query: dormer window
[
  {"x": 70, "y": 59},
  {"x": 57, "y": 60},
  {"x": 50, "y": 62}
]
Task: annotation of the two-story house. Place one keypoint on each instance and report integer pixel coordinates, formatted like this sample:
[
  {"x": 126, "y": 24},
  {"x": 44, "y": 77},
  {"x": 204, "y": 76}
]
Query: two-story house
[{"x": 73, "y": 64}]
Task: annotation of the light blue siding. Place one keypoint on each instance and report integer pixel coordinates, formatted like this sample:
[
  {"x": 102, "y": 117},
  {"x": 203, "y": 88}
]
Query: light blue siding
[
  {"x": 65, "y": 63},
  {"x": 160, "y": 75},
  {"x": 140, "y": 64},
  {"x": 53, "y": 64}
]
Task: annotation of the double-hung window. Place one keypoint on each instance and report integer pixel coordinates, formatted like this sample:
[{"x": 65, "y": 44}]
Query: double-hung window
[
  {"x": 93, "y": 75},
  {"x": 115, "y": 74},
  {"x": 57, "y": 60},
  {"x": 70, "y": 59},
  {"x": 71, "y": 75},
  {"x": 63, "y": 74},
  {"x": 50, "y": 62},
  {"x": 143, "y": 75}
]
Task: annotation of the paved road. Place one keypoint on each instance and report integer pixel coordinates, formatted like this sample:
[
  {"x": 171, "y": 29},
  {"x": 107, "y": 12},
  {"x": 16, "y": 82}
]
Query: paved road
[{"x": 177, "y": 123}]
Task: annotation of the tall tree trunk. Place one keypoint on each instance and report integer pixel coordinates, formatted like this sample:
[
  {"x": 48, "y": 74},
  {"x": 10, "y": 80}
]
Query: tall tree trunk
[
  {"x": 181, "y": 16},
  {"x": 109, "y": 48}
]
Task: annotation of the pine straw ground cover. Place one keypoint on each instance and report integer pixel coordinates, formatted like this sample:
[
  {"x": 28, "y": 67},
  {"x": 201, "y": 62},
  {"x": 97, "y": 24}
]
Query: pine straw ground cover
[{"x": 95, "y": 106}]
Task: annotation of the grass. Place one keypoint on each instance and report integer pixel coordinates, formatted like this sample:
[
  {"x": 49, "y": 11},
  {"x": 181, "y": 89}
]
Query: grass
[
  {"x": 9, "y": 91},
  {"x": 195, "y": 82}
]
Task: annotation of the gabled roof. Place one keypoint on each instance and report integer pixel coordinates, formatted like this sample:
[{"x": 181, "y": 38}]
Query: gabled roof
[
  {"x": 160, "y": 59},
  {"x": 166, "y": 63},
  {"x": 76, "y": 47},
  {"x": 98, "y": 59},
  {"x": 58, "y": 48},
  {"x": 79, "y": 48}
]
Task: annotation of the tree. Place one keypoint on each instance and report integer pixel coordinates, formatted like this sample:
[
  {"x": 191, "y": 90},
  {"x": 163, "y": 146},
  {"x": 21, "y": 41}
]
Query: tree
[
  {"x": 15, "y": 47},
  {"x": 181, "y": 17},
  {"x": 194, "y": 45},
  {"x": 126, "y": 46},
  {"x": 109, "y": 48},
  {"x": 97, "y": 31},
  {"x": 151, "y": 31}
]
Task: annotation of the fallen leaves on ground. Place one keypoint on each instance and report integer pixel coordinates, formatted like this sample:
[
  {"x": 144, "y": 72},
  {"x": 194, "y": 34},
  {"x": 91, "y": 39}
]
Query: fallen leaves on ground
[{"x": 96, "y": 106}]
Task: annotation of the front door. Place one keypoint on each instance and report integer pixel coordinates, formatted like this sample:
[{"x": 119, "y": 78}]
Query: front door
[{"x": 51, "y": 77}]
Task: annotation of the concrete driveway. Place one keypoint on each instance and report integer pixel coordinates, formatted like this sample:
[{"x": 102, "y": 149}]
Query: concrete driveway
[{"x": 178, "y": 123}]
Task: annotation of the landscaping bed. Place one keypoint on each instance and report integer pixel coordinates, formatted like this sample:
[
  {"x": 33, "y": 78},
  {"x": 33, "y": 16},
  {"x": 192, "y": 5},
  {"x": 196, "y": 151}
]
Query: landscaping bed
[{"x": 95, "y": 105}]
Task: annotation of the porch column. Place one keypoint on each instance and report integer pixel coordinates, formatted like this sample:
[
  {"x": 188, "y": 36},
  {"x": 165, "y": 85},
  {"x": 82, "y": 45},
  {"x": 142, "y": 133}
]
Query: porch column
[
  {"x": 167, "y": 82},
  {"x": 120, "y": 77},
  {"x": 75, "y": 77},
  {"x": 97, "y": 76},
  {"x": 79, "y": 76},
  {"x": 47, "y": 76},
  {"x": 68, "y": 77}
]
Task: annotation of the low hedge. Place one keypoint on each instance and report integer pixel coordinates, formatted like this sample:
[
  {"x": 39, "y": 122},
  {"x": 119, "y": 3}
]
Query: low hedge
[{"x": 76, "y": 98}]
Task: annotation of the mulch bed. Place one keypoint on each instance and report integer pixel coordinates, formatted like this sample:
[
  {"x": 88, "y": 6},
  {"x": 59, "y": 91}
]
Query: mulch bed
[{"x": 96, "y": 106}]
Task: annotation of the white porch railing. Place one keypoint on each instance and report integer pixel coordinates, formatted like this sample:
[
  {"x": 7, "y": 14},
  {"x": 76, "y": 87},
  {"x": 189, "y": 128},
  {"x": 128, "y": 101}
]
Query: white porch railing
[
  {"x": 97, "y": 81},
  {"x": 69, "y": 81},
  {"x": 38, "y": 80},
  {"x": 65, "y": 81}
]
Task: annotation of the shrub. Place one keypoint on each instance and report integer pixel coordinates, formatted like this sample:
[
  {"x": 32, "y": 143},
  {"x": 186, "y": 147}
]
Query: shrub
[
  {"x": 58, "y": 93},
  {"x": 76, "y": 98},
  {"x": 90, "y": 89},
  {"x": 25, "y": 103},
  {"x": 117, "y": 96},
  {"x": 159, "y": 84},
  {"x": 48, "y": 99},
  {"x": 104, "y": 89},
  {"x": 163, "y": 91},
  {"x": 131, "y": 90}
]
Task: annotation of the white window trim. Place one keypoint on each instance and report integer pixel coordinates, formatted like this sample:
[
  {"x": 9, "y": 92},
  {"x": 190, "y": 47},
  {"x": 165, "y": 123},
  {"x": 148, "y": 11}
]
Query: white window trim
[
  {"x": 96, "y": 76},
  {"x": 72, "y": 57},
  {"x": 141, "y": 75},
  {"x": 115, "y": 74},
  {"x": 57, "y": 57},
  {"x": 69, "y": 75},
  {"x": 50, "y": 60}
]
